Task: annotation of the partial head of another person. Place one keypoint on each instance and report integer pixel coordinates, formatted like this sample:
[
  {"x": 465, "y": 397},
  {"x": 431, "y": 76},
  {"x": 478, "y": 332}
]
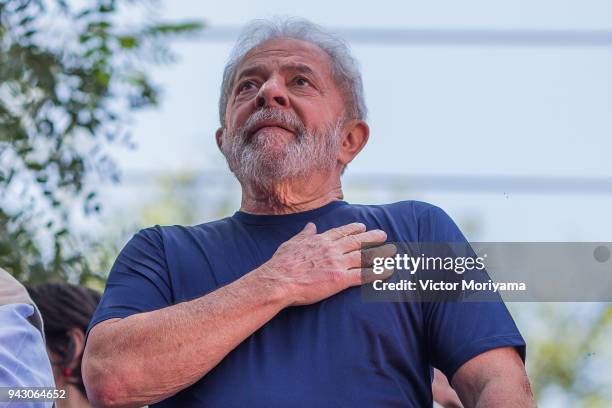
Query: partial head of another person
[{"x": 291, "y": 103}]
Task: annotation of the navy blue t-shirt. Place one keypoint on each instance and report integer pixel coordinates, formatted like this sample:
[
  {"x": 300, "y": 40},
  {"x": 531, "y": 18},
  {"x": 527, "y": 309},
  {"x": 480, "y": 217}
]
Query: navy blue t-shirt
[{"x": 339, "y": 352}]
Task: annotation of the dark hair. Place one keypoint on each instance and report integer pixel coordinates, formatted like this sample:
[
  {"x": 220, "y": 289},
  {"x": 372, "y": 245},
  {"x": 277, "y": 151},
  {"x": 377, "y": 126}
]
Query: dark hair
[{"x": 65, "y": 307}]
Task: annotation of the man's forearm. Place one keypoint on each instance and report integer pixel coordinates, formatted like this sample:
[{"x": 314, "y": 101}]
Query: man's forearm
[
  {"x": 494, "y": 379},
  {"x": 500, "y": 393},
  {"x": 156, "y": 354}
]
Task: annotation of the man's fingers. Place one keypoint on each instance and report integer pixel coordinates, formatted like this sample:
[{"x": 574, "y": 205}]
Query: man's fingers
[
  {"x": 362, "y": 276},
  {"x": 383, "y": 251},
  {"x": 344, "y": 230},
  {"x": 309, "y": 229},
  {"x": 357, "y": 241},
  {"x": 365, "y": 258},
  {"x": 368, "y": 275}
]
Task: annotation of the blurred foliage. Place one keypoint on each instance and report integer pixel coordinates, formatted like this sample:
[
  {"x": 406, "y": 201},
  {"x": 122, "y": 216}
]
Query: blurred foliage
[
  {"x": 181, "y": 197},
  {"x": 569, "y": 360},
  {"x": 176, "y": 203},
  {"x": 69, "y": 79}
]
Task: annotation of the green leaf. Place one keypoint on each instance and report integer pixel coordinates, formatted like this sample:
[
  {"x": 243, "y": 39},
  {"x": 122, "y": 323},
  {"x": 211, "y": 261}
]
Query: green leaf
[
  {"x": 26, "y": 20},
  {"x": 189, "y": 27},
  {"x": 83, "y": 13},
  {"x": 36, "y": 166},
  {"x": 128, "y": 42}
]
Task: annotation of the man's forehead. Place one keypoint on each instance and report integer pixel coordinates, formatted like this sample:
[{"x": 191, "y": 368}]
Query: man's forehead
[{"x": 286, "y": 51}]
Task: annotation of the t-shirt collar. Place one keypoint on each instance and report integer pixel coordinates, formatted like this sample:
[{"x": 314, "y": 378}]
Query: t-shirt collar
[{"x": 287, "y": 218}]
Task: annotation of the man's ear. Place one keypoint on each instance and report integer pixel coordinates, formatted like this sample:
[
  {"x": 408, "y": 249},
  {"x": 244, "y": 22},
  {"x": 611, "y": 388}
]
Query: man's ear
[
  {"x": 354, "y": 138},
  {"x": 219, "y": 137}
]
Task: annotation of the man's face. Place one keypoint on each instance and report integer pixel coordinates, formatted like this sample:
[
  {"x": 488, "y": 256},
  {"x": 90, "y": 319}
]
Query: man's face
[{"x": 283, "y": 116}]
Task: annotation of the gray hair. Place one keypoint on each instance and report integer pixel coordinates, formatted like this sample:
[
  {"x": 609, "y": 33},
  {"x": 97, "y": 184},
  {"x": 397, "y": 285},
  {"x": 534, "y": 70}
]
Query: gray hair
[{"x": 345, "y": 69}]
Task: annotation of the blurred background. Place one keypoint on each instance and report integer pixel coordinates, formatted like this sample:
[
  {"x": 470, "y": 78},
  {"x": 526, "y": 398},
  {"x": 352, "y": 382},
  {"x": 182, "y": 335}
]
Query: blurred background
[{"x": 498, "y": 112}]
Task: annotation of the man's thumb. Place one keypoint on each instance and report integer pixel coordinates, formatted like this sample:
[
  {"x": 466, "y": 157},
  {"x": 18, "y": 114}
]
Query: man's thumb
[{"x": 309, "y": 229}]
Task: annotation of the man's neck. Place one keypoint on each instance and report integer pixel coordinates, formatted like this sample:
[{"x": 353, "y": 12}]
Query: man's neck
[{"x": 292, "y": 196}]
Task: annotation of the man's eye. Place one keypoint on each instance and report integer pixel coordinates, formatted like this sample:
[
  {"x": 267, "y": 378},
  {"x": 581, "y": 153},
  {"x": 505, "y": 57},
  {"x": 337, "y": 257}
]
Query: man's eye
[
  {"x": 245, "y": 86},
  {"x": 301, "y": 81}
]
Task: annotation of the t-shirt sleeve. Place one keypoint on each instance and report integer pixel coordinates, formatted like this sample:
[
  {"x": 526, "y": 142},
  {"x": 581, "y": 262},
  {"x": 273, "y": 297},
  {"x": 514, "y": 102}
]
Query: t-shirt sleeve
[
  {"x": 458, "y": 331},
  {"x": 139, "y": 280}
]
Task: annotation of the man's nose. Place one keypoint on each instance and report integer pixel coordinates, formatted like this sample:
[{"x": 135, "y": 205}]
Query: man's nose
[{"x": 272, "y": 94}]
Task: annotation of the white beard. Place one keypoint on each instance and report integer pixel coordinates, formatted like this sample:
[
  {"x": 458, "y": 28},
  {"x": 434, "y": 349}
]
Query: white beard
[{"x": 262, "y": 165}]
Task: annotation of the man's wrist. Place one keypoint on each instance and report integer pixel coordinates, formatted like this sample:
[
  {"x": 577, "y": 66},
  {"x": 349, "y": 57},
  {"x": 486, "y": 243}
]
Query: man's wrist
[{"x": 266, "y": 285}]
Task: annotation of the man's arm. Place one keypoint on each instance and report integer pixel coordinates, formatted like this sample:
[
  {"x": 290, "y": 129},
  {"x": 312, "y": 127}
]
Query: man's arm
[
  {"x": 148, "y": 357},
  {"x": 495, "y": 378}
]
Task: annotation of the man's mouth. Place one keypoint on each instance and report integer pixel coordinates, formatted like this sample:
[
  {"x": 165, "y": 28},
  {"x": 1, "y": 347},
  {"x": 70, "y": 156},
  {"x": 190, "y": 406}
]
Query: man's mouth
[{"x": 269, "y": 124}]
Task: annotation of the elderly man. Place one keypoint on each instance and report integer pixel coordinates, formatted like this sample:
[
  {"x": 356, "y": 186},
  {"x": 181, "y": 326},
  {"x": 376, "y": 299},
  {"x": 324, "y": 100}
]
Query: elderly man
[{"x": 263, "y": 308}]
